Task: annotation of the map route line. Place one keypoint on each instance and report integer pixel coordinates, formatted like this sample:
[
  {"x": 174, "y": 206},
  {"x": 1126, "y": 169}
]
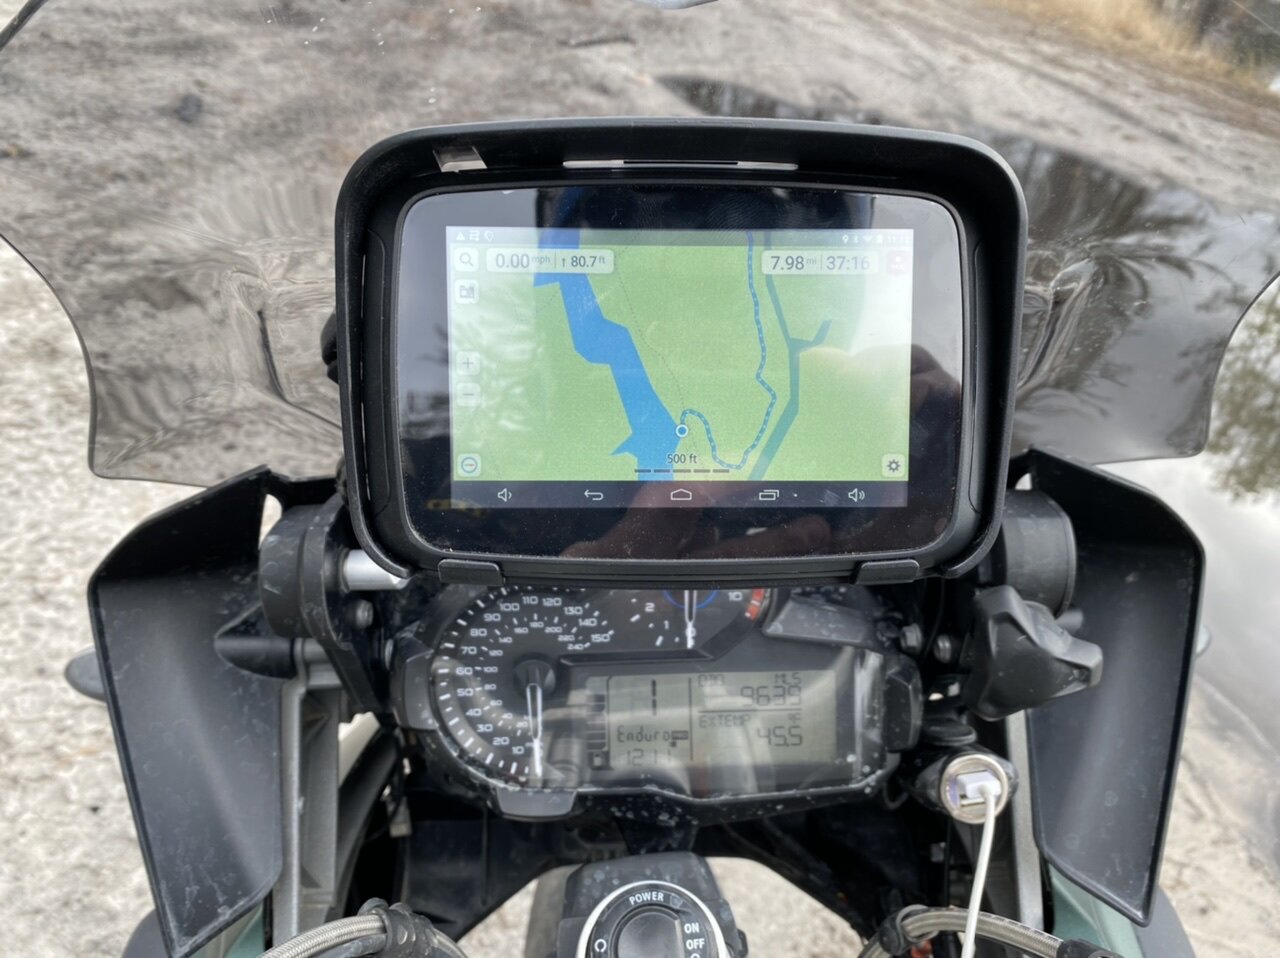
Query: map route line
[
  {"x": 764, "y": 355},
  {"x": 795, "y": 347}
]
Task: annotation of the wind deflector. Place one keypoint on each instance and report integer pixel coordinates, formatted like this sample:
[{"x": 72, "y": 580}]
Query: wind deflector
[
  {"x": 199, "y": 739},
  {"x": 1103, "y": 760}
]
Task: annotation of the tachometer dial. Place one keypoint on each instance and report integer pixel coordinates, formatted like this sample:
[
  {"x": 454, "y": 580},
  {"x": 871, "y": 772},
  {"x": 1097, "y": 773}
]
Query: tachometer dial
[
  {"x": 495, "y": 674},
  {"x": 679, "y": 618}
]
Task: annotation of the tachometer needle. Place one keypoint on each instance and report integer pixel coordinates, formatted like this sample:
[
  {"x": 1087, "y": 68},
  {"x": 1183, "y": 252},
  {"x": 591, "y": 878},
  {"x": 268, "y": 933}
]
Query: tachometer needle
[
  {"x": 690, "y": 613},
  {"x": 533, "y": 703}
]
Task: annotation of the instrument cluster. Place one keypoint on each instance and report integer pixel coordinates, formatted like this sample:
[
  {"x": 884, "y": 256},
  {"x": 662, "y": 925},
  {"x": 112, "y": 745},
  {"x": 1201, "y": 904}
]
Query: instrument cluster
[{"x": 700, "y": 694}]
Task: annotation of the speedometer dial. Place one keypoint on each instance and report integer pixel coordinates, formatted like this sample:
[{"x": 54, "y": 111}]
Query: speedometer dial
[{"x": 495, "y": 674}]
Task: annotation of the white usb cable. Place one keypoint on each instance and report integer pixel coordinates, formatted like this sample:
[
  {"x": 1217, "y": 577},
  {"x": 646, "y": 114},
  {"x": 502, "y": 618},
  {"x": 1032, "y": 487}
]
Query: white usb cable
[{"x": 987, "y": 787}]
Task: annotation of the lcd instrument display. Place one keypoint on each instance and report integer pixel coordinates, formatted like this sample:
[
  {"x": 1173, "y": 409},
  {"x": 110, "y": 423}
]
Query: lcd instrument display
[{"x": 770, "y": 718}]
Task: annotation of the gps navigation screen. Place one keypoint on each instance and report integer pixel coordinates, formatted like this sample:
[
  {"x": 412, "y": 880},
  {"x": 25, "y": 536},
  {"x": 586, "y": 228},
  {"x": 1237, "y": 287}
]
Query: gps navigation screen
[{"x": 762, "y": 368}]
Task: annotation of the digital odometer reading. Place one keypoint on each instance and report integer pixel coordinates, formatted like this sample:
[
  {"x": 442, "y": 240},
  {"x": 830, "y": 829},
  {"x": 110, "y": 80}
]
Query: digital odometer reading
[{"x": 718, "y": 719}]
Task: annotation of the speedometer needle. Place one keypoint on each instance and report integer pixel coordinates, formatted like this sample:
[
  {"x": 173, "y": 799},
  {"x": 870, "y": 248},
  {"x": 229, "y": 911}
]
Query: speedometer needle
[
  {"x": 690, "y": 613},
  {"x": 533, "y": 704}
]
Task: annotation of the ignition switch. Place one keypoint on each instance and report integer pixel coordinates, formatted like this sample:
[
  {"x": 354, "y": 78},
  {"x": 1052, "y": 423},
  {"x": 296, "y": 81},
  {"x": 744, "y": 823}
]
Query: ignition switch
[
  {"x": 664, "y": 905},
  {"x": 652, "y": 919}
]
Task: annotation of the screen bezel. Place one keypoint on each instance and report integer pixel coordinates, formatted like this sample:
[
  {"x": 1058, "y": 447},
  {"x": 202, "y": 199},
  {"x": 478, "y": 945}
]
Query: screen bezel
[{"x": 934, "y": 497}]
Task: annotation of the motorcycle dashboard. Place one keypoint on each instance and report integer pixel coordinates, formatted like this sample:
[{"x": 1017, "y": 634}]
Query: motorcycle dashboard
[
  {"x": 685, "y": 372},
  {"x": 699, "y": 695}
]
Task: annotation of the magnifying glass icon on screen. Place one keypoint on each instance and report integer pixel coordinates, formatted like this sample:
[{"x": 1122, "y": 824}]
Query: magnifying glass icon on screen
[{"x": 465, "y": 259}]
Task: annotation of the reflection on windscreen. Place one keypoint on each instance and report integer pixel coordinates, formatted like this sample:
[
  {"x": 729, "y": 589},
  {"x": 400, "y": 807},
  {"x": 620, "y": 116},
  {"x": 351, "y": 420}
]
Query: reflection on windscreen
[{"x": 1245, "y": 438}]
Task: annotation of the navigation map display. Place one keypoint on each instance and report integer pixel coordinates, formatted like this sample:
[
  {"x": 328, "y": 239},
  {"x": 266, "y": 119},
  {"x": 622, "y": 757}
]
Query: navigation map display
[
  {"x": 714, "y": 364},
  {"x": 651, "y": 370}
]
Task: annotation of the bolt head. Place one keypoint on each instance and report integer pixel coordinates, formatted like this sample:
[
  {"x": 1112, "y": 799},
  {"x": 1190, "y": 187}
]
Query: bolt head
[{"x": 361, "y": 613}]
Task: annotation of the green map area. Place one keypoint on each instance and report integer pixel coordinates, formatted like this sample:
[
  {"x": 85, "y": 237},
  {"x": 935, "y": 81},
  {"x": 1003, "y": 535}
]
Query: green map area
[{"x": 681, "y": 361}]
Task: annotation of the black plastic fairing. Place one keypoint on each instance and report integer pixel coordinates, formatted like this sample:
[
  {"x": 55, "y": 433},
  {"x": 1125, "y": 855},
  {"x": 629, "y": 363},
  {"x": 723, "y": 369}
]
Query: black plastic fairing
[
  {"x": 199, "y": 739},
  {"x": 1103, "y": 761}
]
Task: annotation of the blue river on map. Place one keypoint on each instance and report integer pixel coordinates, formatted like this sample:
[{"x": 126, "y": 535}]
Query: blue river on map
[{"x": 599, "y": 340}]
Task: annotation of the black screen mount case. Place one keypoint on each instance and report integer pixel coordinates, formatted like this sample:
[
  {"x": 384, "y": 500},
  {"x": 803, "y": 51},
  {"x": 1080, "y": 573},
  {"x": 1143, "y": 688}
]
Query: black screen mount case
[{"x": 970, "y": 178}]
